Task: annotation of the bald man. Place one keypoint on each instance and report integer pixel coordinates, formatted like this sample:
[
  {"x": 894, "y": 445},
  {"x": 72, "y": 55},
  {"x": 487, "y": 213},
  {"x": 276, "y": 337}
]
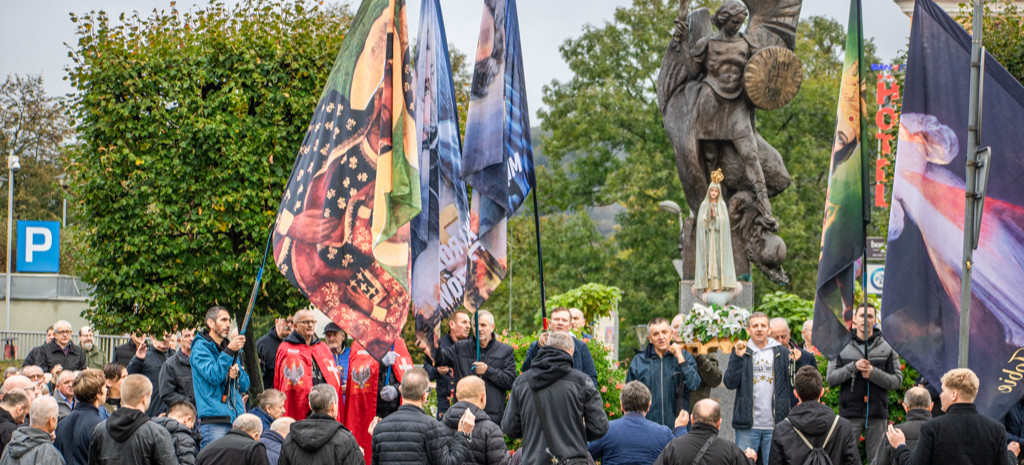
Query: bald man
[{"x": 488, "y": 442}]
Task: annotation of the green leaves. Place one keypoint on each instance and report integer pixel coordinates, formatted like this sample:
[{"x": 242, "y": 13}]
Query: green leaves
[{"x": 594, "y": 300}]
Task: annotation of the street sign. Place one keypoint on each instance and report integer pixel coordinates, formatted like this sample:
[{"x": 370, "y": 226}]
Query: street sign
[
  {"x": 876, "y": 278},
  {"x": 876, "y": 249},
  {"x": 38, "y": 247}
]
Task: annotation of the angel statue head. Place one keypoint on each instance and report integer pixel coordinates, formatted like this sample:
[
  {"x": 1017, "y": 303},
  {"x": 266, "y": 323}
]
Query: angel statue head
[{"x": 730, "y": 16}]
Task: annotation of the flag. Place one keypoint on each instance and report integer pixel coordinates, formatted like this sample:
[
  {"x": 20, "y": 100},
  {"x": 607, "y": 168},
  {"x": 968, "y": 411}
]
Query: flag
[
  {"x": 921, "y": 297},
  {"x": 342, "y": 232},
  {"x": 846, "y": 202},
  {"x": 440, "y": 233},
  {"x": 498, "y": 154}
]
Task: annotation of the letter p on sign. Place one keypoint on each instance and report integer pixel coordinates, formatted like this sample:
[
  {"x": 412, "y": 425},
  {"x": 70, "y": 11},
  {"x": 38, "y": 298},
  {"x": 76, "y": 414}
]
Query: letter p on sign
[{"x": 38, "y": 247}]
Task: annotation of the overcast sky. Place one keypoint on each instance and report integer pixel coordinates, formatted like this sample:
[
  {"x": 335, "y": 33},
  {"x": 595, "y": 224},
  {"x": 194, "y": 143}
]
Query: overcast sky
[{"x": 33, "y": 33}]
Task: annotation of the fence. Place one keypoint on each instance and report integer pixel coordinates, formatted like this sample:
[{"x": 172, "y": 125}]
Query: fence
[{"x": 18, "y": 343}]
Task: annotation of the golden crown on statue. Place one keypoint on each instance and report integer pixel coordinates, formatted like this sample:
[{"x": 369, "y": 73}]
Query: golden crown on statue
[{"x": 717, "y": 176}]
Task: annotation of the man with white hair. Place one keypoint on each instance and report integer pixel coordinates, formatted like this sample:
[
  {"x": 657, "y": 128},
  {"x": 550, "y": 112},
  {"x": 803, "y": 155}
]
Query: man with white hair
[
  {"x": 33, "y": 444},
  {"x": 303, "y": 361},
  {"x": 64, "y": 394},
  {"x": 496, "y": 365},
  {"x": 274, "y": 437},
  {"x": 806, "y": 331},
  {"x": 60, "y": 353},
  {"x": 94, "y": 356},
  {"x": 321, "y": 439},
  {"x": 240, "y": 446},
  {"x": 579, "y": 323}
]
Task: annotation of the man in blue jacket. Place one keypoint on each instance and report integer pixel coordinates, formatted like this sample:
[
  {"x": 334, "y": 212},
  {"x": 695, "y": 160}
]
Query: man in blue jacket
[
  {"x": 633, "y": 438},
  {"x": 215, "y": 371},
  {"x": 561, "y": 321},
  {"x": 759, "y": 372},
  {"x": 662, "y": 367}
]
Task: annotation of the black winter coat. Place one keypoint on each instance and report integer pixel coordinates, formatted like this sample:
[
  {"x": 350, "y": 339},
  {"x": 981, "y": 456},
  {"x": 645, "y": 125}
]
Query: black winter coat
[
  {"x": 150, "y": 368},
  {"x": 186, "y": 441},
  {"x": 176, "y": 380},
  {"x": 74, "y": 433},
  {"x": 320, "y": 440},
  {"x": 444, "y": 382},
  {"x": 50, "y": 355},
  {"x": 488, "y": 444},
  {"x": 710, "y": 377},
  {"x": 266, "y": 349},
  {"x": 500, "y": 374},
  {"x": 124, "y": 352},
  {"x": 911, "y": 430},
  {"x": 814, "y": 420},
  {"x": 129, "y": 437},
  {"x": 410, "y": 436},
  {"x": 571, "y": 403},
  {"x": 7, "y": 427},
  {"x": 961, "y": 436},
  {"x": 234, "y": 448},
  {"x": 739, "y": 375},
  {"x": 683, "y": 449}
]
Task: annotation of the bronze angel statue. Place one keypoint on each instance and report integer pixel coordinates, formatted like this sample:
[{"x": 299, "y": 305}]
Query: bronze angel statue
[{"x": 710, "y": 85}]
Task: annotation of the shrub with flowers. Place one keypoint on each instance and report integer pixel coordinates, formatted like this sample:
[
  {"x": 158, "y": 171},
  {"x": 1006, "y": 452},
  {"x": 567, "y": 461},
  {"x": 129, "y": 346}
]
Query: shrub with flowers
[{"x": 706, "y": 323}]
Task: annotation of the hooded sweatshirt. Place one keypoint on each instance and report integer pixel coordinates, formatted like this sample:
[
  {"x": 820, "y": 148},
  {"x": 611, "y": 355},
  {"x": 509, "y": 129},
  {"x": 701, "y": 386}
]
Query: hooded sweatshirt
[
  {"x": 814, "y": 420},
  {"x": 31, "y": 446},
  {"x": 129, "y": 437},
  {"x": 764, "y": 383},
  {"x": 320, "y": 439}
]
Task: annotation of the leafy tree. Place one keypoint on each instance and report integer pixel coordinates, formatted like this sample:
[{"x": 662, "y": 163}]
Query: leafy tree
[
  {"x": 189, "y": 124},
  {"x": 1003, "y": 34}
]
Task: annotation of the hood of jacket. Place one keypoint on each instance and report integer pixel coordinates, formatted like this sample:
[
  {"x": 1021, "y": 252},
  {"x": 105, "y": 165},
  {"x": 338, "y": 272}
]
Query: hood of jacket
[
  {"x": 205, "y": 335},
  {"x": 124, "y": 422},
  {"x": 768, "y": 346},
  {"x": 918, "y": 414},
  {"x": 454, "y": 413},
  {"x": 314, "y": 432},
  {"x": 548, "y": 366},
  {"x": 812, "y": 418},
  {"x": 25, "y": 439},
  {"x": 171, "y": 425},
  {"x": 295, "y": 338}
]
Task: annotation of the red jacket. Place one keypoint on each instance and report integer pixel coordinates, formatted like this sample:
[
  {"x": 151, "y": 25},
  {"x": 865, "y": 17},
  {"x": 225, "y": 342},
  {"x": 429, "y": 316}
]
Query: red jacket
[{"x": 293, "y": 373}]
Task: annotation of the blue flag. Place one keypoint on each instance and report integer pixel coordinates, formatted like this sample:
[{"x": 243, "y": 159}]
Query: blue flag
[
  {"x": 921, "y": 299},
  {"x": 498, "y": 154},
  {"x": 440, "y": 233}
]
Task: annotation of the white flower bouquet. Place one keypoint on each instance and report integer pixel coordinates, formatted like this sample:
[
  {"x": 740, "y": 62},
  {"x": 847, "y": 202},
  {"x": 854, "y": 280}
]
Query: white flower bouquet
[{"x": 703, "y": 324}]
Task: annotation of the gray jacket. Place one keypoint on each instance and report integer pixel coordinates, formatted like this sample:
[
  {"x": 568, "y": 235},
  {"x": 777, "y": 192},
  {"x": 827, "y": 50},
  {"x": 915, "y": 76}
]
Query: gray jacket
[
  {"x": 31, "y": 446},
  {"x": 886, "y": 376}
]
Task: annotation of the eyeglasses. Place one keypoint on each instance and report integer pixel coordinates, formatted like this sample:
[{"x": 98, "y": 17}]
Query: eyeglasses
[
  {"x": 66, "y": 331},
  {"x": 307, "y": 322}
]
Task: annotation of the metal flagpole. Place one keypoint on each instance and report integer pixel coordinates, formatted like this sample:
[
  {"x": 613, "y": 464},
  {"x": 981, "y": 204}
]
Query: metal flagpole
[{"x": 540, "y": 259}]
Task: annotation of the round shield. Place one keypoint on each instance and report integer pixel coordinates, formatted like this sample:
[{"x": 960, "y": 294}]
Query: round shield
[{"x": 772, "y": 77}]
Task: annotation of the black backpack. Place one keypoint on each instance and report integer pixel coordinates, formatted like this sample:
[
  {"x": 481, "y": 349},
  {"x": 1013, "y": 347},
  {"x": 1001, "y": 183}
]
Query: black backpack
[{"x": 818, "y": 456}]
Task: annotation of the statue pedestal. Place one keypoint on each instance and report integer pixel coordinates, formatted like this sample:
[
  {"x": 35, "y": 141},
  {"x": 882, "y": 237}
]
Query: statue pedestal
[{"x": 687, "y": 299}]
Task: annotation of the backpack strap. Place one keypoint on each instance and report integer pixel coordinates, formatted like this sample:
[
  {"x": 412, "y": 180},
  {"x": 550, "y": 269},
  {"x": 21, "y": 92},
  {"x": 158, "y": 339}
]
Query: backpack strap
[
  {"x": 802, "y": 437},
  {"x": 835, "y": 421},
  {"x": 703, "y": 450}
]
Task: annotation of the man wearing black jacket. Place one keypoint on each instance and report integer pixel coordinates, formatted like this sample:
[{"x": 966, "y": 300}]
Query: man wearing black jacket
[
  {"x": 817, "y": 423},
  {"x": 266, "y": 348},
  {"x": 58, "y": 354},
  {"x": 13, "y": 409},
  {"x": 555, "y": 409},
  {"x": 74, "y": 432},
  {"x": 488, "y": 444},
  {"x": 458, "y": 329},
  {"x": 320, "y": 439},
  {"x": 147, "y": 362},
  {"x": 129, "y": 437},
  {"x": 124, "y": 352},
  {"x": 707, "y": 418},
  {"x": 497, "y": 365},
  {"x": 918, "y": 404},
  {"x": 961, "y": 436},
  {"x": 175, "y": 383},
  {"x": 240, "y": 446}
]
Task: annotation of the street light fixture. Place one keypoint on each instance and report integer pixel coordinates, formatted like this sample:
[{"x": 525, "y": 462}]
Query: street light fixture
[
  {"x": 13, "y": 166},
  {"x": 62, "y": 179}
]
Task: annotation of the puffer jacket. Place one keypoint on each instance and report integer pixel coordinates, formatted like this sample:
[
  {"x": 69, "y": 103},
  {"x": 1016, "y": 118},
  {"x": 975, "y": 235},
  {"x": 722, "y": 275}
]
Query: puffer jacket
[
  {"x": 320, "y": 440},
  {"x": 186, "y": 441},
  {"x": 31, "y": 446},
  {"x": 488, "y": 444},
  {"x": 176, "y": 380},
  {"x": 740, "y": 376},
  {"x": 662, "y": 375},
  {"x": 814, "y": 420},
  {"x": 854, "y": 388},
  {"x": 210, "y": 365},
  {"x": 272, "y": 440},
  {"x": 74, "y": 433},
  {"x": 129, "y": 437},
  {"x": 410, "y": 436},
  {"x": 572, "y": 406}
]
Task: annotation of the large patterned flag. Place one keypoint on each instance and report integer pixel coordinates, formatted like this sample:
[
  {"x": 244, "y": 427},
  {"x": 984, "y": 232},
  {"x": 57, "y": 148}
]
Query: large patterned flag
[
  {"x": 342, "y": 232},
  {"x": 846, "y": 203},
  {"x": 498, "y": 154},
  {"x": 440, "y": 233},
  {"x": 921, "y": 298}
]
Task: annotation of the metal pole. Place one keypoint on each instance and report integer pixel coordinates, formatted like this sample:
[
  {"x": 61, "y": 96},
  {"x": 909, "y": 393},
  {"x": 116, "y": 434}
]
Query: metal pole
[
  {"x": 64, "y": 214},
  {"x": 10, "y": 221},
  {"x": 973, "y": 135}
]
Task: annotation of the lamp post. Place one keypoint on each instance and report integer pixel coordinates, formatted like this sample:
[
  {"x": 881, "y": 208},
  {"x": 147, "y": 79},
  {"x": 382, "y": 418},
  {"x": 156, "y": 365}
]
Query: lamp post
[
  {"x": 672, "y": 207},
  {"x": 63, "y": 181},
  {"x": 13, "y": 166}
]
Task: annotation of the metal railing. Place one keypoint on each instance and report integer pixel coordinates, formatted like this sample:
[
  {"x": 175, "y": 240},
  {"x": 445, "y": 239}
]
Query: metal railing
[{"x": 17, "y": 344}]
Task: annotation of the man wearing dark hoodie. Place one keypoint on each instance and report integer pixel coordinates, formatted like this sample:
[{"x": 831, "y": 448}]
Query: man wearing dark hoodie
[
  {"x": 13, "y": 409},
  {"x": 74, "y": 432},
  {"x": 488, "y": 442},
  {"x": 320, "y": 439},
  {"x": 555, "y": 409},
  {"x": 180, "y": 419},
  {"x": 33, "y": 445},
  {"x": 149, "y": 357},
  {"x": 129, "y": 437},
  {"x": 817, "y": 423}
]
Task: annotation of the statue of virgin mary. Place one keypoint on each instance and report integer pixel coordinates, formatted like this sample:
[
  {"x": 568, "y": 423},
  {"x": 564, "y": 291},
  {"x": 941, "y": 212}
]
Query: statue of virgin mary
[{"x": 714, "y": 270}]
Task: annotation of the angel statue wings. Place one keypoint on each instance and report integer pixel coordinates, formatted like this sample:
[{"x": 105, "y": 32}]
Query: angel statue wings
[{"x": 708, "y": 89}]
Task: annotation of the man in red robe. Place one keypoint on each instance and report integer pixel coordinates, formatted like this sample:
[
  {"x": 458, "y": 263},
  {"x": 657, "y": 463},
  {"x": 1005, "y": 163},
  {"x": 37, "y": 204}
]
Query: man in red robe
[{"x": 303, "y": 361}]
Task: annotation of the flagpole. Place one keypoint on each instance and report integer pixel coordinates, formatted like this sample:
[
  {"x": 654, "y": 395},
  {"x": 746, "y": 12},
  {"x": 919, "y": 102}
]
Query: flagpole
[
  {"x": 972, "y": 216},
  {"x": 540, "y": 259}
]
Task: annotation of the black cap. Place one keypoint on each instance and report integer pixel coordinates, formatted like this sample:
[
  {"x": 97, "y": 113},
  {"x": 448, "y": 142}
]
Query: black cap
[{"x": 332, "y": 327}]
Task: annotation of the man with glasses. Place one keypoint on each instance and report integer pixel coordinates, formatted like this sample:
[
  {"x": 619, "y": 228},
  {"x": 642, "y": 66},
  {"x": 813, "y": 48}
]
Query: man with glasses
[
  {"x": 59, "y": 354},
  {"x": 266, "y": 347},
  {"x": 303, "y": 361},
  {"x": 495, "y": 364},
  {"x": 94, "y": 356}
]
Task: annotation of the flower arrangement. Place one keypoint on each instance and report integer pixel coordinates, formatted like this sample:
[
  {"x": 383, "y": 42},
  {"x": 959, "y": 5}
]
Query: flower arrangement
[{"x": 705, "y": 323}]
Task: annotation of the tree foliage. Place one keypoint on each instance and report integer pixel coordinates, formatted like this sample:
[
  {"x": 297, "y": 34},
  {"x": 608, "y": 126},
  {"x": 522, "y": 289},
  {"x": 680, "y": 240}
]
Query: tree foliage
[
  {"x": 1003, "y": 34},
  {"x": 189, "y": 124}
]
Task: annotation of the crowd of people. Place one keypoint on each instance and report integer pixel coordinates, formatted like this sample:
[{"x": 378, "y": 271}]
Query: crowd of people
[{"x": 182, "y": 398}]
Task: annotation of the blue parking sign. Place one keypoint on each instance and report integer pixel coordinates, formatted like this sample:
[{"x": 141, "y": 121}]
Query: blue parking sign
[{"x": 38, "y": 246}]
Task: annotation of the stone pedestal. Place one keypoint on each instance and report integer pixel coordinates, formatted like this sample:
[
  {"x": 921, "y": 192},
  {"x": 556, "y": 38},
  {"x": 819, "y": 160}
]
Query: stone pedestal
[{"x": 744, "y": 300}]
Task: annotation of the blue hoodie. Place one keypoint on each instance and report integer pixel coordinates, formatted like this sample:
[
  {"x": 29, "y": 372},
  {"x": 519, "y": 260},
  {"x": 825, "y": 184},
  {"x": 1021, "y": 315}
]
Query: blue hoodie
[{"x": 210, "y": 365}]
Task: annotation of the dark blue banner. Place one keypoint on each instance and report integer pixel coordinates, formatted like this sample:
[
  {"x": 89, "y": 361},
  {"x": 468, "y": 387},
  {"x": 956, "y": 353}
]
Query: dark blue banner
[{"x": 921, "y": 299}]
